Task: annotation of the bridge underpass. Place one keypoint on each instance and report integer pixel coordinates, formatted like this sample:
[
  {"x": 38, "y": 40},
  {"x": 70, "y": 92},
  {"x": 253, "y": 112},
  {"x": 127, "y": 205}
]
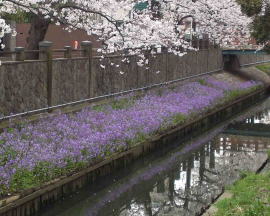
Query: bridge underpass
[{"x": 240, "y": 62}]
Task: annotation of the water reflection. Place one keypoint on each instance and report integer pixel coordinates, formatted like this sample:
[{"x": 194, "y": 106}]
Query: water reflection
[
  {"x": 260, "y": 118},
  {"x": 181, "y": 182},
  {"x": 257, "y": 126},
  {"x": 192, "y": 183}
]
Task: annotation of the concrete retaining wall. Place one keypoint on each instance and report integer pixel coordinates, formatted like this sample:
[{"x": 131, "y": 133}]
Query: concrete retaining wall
[
  {"x": 246, "y": 59},
  {"x": 70, "y": 80},
  {"x": 28, "y": 85},
  {"x": 23, "y": 86}
]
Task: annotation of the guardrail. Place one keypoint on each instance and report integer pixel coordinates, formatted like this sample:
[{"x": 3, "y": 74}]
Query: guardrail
[{"x": 51, "y": 108}]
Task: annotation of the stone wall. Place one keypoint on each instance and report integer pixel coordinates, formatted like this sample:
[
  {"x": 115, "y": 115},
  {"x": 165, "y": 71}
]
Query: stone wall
[
  {"x": 161, "y": 68},
  {"x": 23, "y": 84},
  {"x": 245, "y": 59},
  {"x": 70, "y": 80}
]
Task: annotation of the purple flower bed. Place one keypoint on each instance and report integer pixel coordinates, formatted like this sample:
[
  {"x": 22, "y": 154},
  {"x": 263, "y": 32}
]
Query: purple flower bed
[
  {"x": 229, "y": 86},
  {"x": 36, "y": 153}
]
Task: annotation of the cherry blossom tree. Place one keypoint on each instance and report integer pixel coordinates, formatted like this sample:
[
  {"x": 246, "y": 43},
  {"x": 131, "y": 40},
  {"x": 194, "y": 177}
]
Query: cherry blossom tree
[
  {"x": 121, "y": 27},
  {"x": 4, "y": 29}
]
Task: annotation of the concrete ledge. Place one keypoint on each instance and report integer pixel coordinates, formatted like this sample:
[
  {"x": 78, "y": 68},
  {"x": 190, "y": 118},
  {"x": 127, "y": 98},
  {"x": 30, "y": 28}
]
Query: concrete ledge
[{"x": 254, "y": 74}]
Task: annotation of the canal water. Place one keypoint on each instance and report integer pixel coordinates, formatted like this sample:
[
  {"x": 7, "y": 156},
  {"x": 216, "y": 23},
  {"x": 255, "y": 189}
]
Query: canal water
[{"x": 181, "y": 180}]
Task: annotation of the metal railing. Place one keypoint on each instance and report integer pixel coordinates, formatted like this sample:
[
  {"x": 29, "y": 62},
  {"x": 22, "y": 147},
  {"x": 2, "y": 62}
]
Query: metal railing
[{"x": 51, "y": 108}]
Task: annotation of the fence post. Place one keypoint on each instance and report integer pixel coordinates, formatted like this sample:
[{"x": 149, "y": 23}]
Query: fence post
[
  {"x": 68, "y": 52},
  {"x": 86, "y": 47},
  {"x": 45, "y": 54},
  {"x": 87, "y": 51},
  {"x": 20, "y": 54},
  {"x": 166, "y": 53},
  {"x": 200, "y": 44}
]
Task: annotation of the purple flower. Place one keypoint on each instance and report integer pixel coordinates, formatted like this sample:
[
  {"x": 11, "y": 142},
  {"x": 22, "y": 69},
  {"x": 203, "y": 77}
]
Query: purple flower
[{"x": 82, "y": 137}]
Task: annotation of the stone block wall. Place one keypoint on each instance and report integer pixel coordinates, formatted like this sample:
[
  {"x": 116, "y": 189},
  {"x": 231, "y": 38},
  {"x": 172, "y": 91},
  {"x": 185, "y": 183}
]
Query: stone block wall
[
  {"x": 70, "y": 80},
  {"x": 245, "y": 59},
  {"x": 107, "y": 78},
  {"x": 23, "y": 84}
]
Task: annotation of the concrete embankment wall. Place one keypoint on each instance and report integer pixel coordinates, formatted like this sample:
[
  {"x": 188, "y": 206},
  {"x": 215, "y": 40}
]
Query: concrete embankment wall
[
  {"x": 247, "y": 59},
  {"x": 29, "y": 85},
  {"x": 241, "y": 65}
]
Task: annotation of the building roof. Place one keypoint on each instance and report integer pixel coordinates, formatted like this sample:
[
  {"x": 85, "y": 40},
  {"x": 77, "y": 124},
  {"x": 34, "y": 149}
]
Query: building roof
[{"x": 141, "y": 6}]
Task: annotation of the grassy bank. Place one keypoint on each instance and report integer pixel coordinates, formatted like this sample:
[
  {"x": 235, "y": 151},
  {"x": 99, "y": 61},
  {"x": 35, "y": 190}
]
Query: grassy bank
[
  {"x": 265, "y": 68},
  {"x": 251, "y": 197}
]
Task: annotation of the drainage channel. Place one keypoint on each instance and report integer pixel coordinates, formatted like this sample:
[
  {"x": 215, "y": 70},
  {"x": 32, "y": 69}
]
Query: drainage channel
[{"x": 182, "y": 180}]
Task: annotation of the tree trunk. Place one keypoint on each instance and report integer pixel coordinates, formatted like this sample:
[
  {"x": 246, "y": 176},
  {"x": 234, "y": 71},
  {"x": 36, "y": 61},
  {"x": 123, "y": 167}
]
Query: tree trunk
[{"x": 37, "y": 32}]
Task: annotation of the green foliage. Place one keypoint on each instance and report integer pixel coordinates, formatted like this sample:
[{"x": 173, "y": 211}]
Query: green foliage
[
  {"x": 19, "y": 17},
  {"x": 10, "y": 130},
  {"x": 2, "y": 142},
  {"x": 23, "y": 179},
  {"x": 42, "y": 173},
  {"x": 85, "y": 152},
  {"x": 10, "y": 154},
  {"x": 140, "y": 137},
  {"x": 244, "y": 174},
  {"x": 202, "y": 82},
  {"x": 121, "y": 103},
  {"x": 116, "y": 104},
  {"x": 261, "y": 27},
  {"x": 251, "y": 197},
  {"x": 233, "y": 94},
  {"x": 72, "y": 166},
  {"x": 178, "y": 119},
  {"x": 99, "y": 108},
  {"x": 265, "y": 68},
  {"x": 268, "y": 154},
  {"x": 250, "y": 7}
]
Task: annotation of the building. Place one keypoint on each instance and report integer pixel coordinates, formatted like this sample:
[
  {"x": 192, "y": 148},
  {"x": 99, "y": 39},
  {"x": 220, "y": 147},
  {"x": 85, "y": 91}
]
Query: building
[{"x": 56, "y": 34}]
